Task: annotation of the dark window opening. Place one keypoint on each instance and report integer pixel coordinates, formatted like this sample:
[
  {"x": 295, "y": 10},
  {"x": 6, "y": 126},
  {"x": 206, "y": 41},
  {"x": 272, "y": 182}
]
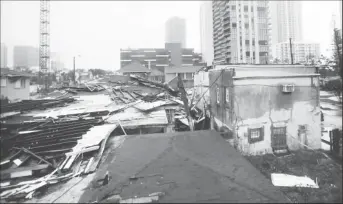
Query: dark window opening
[
  {"x": 247, "y": 42},
  {"x": 255, "y": 135},
  {"x": 263, "y": 42},
  {"x": 234, "y": 25},
  {"x": 233, "y": 7},
  {"x": 245, "y": 8}
]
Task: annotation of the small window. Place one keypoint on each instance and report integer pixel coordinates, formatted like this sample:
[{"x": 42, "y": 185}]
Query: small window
[
  {"x": 22, "y": 83},
  {"x": 245, "y": 8},
  {"x": 17, "y": 84},
  {"x": 255, "y": 134},
  {"x": 3, "y": 82}
]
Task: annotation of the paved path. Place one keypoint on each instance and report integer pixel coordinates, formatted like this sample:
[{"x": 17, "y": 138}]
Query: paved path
[{"x": 195, "y": 166}]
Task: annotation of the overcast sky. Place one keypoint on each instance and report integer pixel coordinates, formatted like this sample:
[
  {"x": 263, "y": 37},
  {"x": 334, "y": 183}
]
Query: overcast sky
[{"x": 97, "y": 30}]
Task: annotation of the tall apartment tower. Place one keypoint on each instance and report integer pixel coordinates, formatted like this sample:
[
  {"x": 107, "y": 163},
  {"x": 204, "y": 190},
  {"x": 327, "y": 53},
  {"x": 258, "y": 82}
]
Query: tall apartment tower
[
  {"x": 289, "y": 20},
  {"x": 176, "y": 31},
  {"x": 241, "y": 32},
  {"x": 206, "y": 32},
  {"x": 286, "y": 22}
]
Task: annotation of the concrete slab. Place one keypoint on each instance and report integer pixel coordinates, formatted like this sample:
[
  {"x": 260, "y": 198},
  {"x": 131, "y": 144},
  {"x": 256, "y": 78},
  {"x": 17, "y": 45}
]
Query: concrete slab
[{"x": 195, "y": 166}]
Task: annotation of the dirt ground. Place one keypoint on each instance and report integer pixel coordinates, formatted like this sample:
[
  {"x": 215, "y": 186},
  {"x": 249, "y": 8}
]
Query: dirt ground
[{"x": 300, "y": 163}]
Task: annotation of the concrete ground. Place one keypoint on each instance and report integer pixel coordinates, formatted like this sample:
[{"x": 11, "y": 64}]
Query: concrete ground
[{"x": 195, "y": 166}]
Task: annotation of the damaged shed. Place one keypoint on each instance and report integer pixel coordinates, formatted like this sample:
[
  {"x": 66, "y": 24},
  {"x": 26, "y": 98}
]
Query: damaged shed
[{"x": 267, "y": 108}]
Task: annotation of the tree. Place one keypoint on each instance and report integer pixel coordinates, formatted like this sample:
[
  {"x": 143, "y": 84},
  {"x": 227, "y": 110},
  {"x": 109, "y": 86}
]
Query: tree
[
  {"x": 337, "y": 55},
  {"x": 276, "y": 61}
]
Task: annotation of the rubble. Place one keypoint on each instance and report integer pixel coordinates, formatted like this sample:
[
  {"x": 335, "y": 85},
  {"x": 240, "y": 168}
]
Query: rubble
[{"x": 63, "y": 134}]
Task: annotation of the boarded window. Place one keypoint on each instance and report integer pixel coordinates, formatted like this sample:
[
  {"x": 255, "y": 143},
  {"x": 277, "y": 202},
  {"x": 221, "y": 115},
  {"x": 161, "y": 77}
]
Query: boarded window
[
  {"x": 3, "y": 82},
  {"x": 22, "y": 83},
  {"x": 255, "y": 134}
]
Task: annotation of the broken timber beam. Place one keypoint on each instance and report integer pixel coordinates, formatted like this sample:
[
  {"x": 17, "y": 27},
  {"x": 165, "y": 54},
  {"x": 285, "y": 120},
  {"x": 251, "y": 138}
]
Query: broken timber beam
[{"x": 38, "y": 157}]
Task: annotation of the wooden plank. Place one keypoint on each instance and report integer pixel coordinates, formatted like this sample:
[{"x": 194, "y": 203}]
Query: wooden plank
[
  {"x": 38, "y": 157},
  {"x": 90, "y": 162},
  {"x": 21, "y": 174},
  {"x": 326, "y": 142},
  {"x": 21, "y": 171},
  {"x": 88, "y": 149},
  {"x": 97, "y": 160},
  {"x": 70, "y": 162},
  {"x": 18, "y": 162}
]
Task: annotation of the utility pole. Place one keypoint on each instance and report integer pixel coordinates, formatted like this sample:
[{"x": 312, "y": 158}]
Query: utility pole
[
  {"x": 290, "y": 47},
  {"x": 185, "y": 101}
]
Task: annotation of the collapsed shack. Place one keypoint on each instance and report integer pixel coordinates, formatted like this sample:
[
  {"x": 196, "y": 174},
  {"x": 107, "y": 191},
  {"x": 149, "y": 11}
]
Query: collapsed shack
[
  {"x": 50, "y": 152},
  {"x": 63, "y": 134}
]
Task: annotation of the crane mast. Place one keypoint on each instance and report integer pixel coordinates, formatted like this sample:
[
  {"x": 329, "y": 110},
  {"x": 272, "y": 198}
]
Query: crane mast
[{"x": 44, "y": 41}]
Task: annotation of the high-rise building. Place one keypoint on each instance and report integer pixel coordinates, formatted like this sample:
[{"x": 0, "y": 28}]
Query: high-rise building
[
  {"x": 3, "y": 56},
  {"x": 25, "y": 56},
  {"x": 340, "y": 12},
  {"x": 286, "y": 18},
  {"x": 302, "y": 52},
  {"x": 289, "y": 20},
  {"x": 176, "y": 31},
  {"x": 206, "y": 32},
  {"x": 241, "y": 32}
]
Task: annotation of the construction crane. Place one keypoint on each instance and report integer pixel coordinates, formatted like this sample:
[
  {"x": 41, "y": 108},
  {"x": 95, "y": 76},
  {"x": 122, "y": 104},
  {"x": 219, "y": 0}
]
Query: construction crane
[{"x": 44, "y": 41}]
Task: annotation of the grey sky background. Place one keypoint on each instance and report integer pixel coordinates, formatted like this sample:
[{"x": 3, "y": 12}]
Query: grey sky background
[{"x": 97, "y": 30}]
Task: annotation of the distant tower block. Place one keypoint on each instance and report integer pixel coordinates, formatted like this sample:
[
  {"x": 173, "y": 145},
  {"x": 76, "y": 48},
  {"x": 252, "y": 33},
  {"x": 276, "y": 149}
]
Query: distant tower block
[{"x": 44, "y": 43}]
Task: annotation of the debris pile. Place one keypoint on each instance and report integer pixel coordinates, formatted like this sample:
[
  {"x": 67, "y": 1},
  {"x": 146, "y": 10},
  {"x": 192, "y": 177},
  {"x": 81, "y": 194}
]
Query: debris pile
[
  {"x": 50, "y": 153},
  {"x": 27, "y": 105},
  {"x": 63, "y": 134}
]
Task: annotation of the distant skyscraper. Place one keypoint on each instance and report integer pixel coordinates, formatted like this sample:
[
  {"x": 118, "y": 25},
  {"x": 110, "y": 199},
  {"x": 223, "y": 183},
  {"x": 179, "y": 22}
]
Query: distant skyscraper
[
  {"x": 241, "y": 31},
  {"x": 340, "y": 11},
  {"x": 286, "y": 21},
  {"x": 302, "y": 52},
  {"x": 3, "y": 56},
  {"x": 206, "y": 32},
  {"x": 289, "y": 20},
  {"x": 176, "y": 31},
  {"x": 25, "y": 56}
]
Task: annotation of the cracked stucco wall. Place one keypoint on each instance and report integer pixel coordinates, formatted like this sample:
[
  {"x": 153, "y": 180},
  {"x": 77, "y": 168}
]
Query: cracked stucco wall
[
  {"x": 261, "y": 103},
  {"x": 257, "y": 102}
]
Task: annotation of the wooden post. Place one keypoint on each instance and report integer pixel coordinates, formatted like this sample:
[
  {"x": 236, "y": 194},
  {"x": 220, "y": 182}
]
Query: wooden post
[{"x": 290, "y": 48}]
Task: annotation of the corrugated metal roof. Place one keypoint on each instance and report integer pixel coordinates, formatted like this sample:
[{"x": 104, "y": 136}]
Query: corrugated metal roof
[{"x": 131, "y": 117}]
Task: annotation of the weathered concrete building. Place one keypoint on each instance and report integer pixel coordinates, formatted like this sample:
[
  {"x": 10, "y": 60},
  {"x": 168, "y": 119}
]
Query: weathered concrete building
[
  {"x": 15, "y": 85},
  {"x": 267, "y": 107}
]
